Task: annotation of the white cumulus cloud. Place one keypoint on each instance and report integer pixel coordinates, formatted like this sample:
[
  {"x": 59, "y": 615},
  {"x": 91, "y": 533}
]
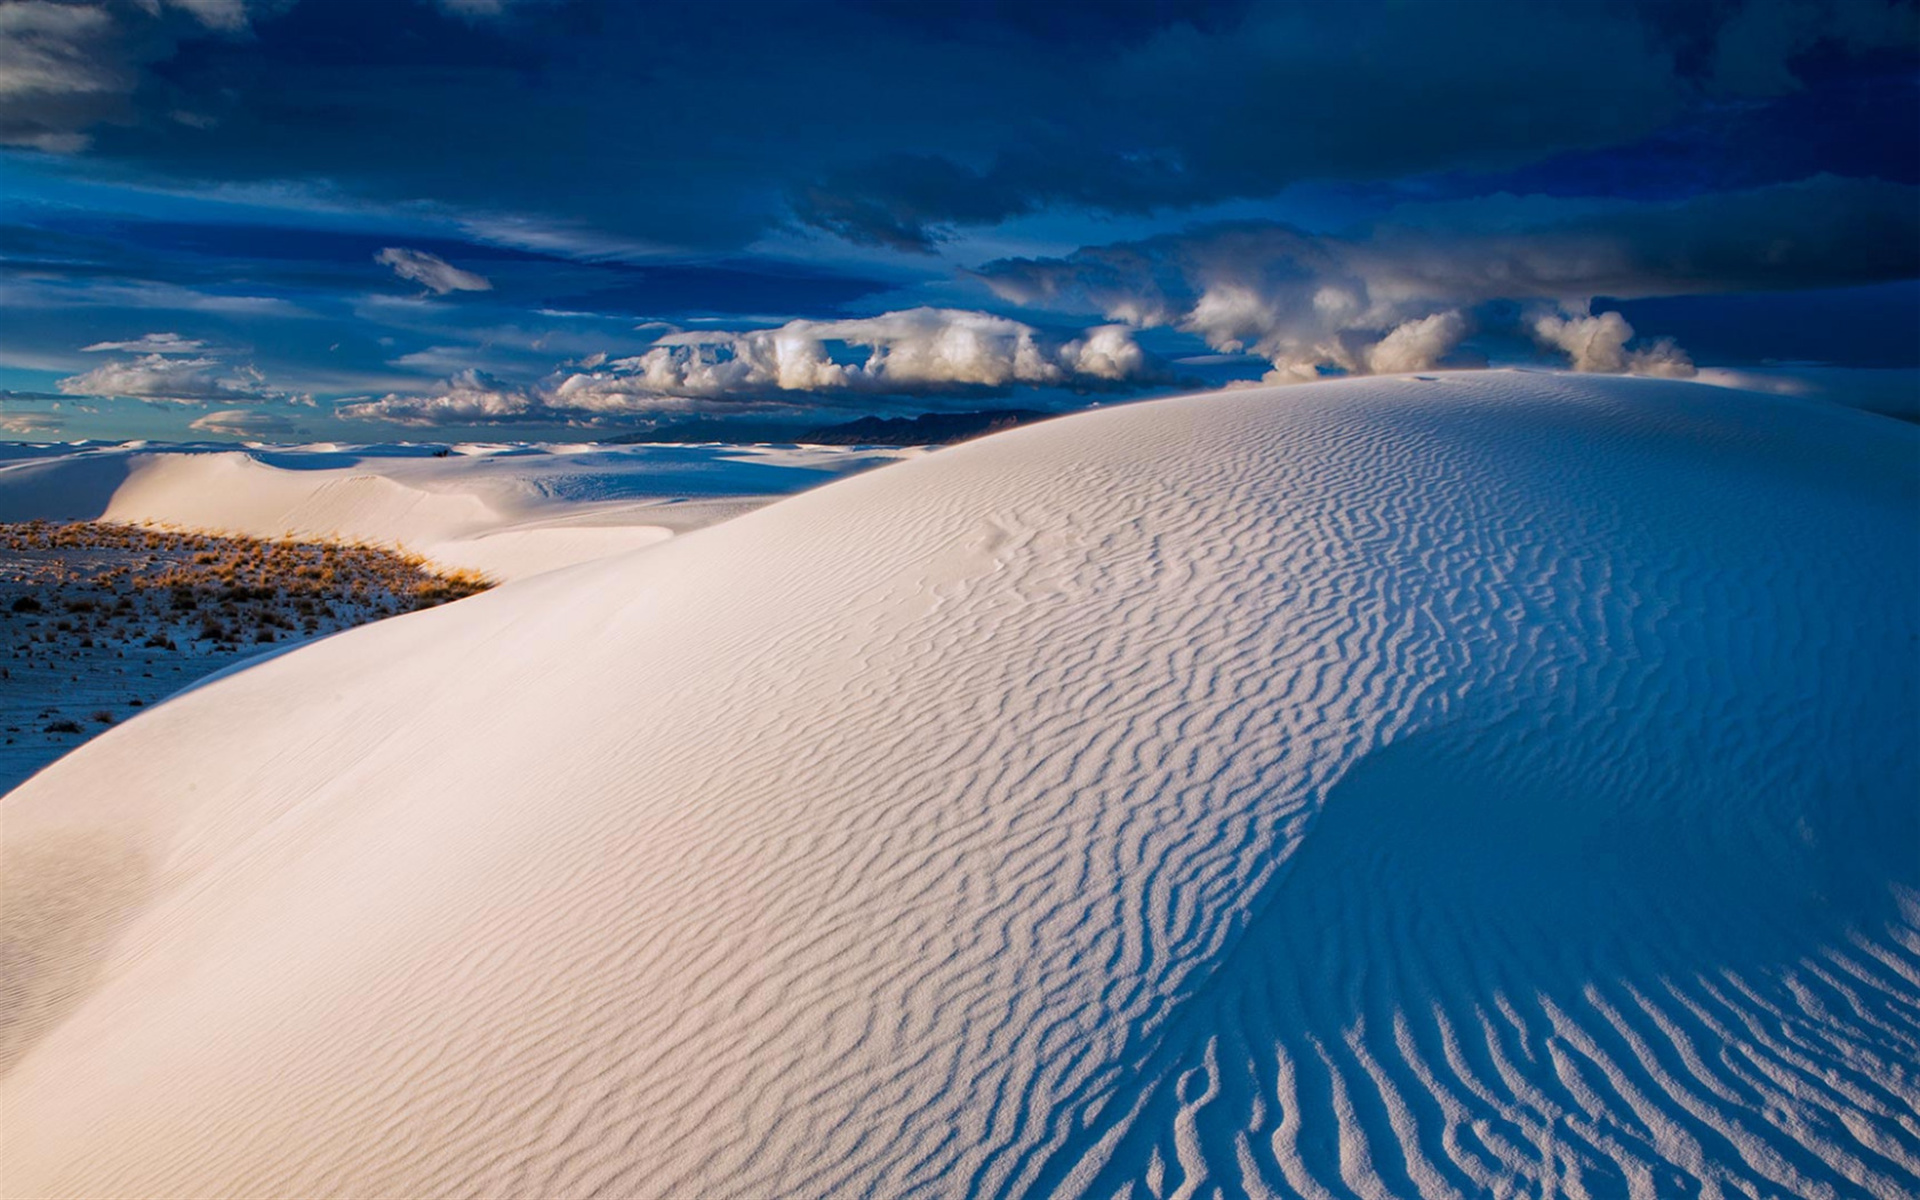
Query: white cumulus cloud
[
  {"x": 920, "y": 351},
  {"x": 1599, "y": 343},
  {"x": 1417, "y": 345},
  {"x": 1313, "y": 304},
  {"x": 468, "y": 398},
  {"x": 174, "y": 380},
  {"x": 1400, "y": 295},
  {"x": 913, "y": 350}
]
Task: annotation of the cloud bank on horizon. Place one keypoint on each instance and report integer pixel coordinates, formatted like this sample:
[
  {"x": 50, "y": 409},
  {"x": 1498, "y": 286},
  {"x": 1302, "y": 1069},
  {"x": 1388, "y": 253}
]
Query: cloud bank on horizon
[
  {"x": 1395, "y": 297},
  {"x": 486, "y": 215},
  {"x": 921, "y": 352}
]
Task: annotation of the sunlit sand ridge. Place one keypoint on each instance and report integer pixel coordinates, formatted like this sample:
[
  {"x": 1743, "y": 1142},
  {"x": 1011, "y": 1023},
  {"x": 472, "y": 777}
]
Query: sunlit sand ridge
[{"x": 1495, "y": 785}]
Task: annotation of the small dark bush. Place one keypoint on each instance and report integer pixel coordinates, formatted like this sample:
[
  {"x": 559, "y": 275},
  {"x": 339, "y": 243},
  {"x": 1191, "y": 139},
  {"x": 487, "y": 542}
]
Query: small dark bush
[
  {"x": 62, "y": 726},
  {"x": 26, "y": 604}
]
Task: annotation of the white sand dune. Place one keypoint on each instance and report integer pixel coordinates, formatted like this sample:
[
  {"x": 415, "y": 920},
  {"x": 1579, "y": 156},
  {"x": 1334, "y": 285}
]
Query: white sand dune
[
  {"x": 506, "y": 511},
  {"x": 1501, "y": 785}
]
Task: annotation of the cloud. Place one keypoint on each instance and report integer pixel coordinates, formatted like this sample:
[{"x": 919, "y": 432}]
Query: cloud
[
  {"x": 172, "y": 380},
  {"x": 911, "y": 351},
  {"x": 1754, "y": 51},
  {"x": 1417, "y": 345},
  {"x": 1592, "y": 343},
  {"x": 65, "y": 67},
  {"x": 152, "y": 343},
  {"x": 61, "y": 70},
  {"x": 1599, "y": 343},
  {"x": 1196, "y": 114},
  {"x": 39, "y": 292},
  {"x": 1187, "y": 116},
  {"x": 1106, "y": 352},
  {"x": 431, "y": 271},
  {"x": 230, "y": 16},
  {"x": 469, "y": 398},
  {"x": 1130, "y": 108},
  {"x": 245, "y": 422},
  {"x": 919, "y": 352},
  {"x": 27, "y": 424},
  {"x": 476, "y": 8},
  {"x": 1398, "y": 296},
  {"x": 43, "y": 49}
]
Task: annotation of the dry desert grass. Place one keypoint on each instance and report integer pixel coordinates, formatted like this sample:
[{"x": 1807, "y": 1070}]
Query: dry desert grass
[{"x": 98, "y": 620}]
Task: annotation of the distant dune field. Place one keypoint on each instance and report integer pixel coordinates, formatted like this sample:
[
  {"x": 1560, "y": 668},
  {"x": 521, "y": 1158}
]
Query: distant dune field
[
  {"x": 1498, "y": 784},
  {"x": 506, "y": 511}
]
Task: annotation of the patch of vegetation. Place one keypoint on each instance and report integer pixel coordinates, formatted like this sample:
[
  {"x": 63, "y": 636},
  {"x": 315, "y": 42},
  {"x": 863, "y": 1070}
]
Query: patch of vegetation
[{"x": 91, "y": 611}]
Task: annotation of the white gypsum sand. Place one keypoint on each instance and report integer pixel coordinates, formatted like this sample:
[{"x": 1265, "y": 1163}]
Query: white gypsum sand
[
  {"x": 1499, "y": 784},
  {"x": 506, "y": 511}
]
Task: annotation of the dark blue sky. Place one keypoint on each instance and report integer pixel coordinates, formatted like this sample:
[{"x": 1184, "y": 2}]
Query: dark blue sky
[{"x": 372, "y": 219}]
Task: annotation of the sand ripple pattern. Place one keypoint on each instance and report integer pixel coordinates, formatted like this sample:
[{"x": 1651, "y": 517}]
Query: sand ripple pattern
[{"x": 1500, "y": 785}]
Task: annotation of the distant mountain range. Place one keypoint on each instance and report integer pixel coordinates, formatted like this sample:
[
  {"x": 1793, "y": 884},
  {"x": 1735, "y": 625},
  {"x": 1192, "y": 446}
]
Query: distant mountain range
[
  {"x": 927, "y": 429},
  {"x": 924, "y": 430}
]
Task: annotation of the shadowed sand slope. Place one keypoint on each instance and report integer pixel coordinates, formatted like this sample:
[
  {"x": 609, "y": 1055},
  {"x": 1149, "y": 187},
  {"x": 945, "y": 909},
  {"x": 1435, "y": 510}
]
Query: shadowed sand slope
[{"x": 1498, "y": 785}]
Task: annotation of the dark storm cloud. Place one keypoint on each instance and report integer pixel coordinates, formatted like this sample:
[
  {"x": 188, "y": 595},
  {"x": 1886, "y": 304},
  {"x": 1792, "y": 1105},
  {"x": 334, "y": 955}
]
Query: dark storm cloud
[
  {"x": 885, "y": 122},
  {"x": 539, "y": 211},
  {"x": 1292, "y": 92},
  {"x": 1302, "y": 92}
]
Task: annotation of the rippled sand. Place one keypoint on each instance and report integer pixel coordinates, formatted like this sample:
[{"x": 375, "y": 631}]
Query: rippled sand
[{"x": 1495, "y": 785}]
